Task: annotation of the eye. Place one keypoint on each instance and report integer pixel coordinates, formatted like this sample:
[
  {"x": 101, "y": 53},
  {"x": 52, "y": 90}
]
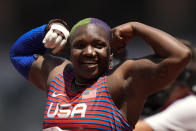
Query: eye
[
  {"x": 79, "y": 45},
  {"x": 99, "y": 45}
]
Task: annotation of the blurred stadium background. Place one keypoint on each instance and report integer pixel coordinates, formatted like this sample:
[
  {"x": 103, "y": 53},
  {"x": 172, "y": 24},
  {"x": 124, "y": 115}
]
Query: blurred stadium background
[{"x": 21, "y": 104}]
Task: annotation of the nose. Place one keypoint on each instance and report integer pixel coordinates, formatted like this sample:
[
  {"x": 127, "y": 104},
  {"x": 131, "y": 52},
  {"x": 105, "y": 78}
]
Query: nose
[{"x": 89, "y": 51}]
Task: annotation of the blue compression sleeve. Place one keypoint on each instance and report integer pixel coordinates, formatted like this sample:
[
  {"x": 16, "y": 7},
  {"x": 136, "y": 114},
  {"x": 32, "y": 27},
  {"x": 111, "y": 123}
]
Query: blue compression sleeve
[{"x": 23, "y": 50}]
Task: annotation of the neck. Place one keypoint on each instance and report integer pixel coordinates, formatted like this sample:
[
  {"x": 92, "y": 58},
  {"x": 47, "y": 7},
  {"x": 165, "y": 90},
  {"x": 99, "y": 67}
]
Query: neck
[
  {"x": 77, "y": 86},
  {"x": 80, "y": 83}
]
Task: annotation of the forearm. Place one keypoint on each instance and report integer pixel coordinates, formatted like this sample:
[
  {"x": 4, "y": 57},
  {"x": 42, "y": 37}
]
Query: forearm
[
  {"x": 175, "y": 56},
  {"x": 37, "y": 41},
  {"x": 23, "y": 50},
  {"x": 163, "y": 44},
  {"x": 171, "y": 54}
]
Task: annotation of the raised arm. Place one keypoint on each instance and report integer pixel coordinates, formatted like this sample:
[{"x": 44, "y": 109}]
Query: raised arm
[
  {"x": 148, "y": 75},
  {"x": 28, "y": 53},
  {"x": 140, "y": 78}
]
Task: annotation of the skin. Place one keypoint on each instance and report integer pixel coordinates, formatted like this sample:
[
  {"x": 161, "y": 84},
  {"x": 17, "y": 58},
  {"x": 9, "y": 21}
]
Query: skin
[
  {"x": 142, "y": 126},
  {"x": 89, "y": 53},
  {"x": 130, "y": 82}
]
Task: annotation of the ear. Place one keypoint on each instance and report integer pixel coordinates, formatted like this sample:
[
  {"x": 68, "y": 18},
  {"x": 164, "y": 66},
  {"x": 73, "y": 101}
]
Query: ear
[
  {"x": 111, "y": 61},
  {"x": 111, "y": 56}
]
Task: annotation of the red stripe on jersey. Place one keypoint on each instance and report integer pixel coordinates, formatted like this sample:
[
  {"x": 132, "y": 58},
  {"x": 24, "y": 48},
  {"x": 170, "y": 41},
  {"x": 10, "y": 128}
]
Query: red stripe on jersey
[{"x": 90, "y": 109}]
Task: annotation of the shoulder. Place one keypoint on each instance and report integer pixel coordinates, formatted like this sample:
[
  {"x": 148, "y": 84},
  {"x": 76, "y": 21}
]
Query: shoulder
[
  {"x": 134, "y": 67},
  {"x": 123, "y": 74},
  {"x": 186, "y": 104},
  {"x": 56, "y": 66},
  {"x": 142, "y": 125},
  {"x": 180, "y": 113},
  {"x": 45, "y": 68},
  {"x": 134, "y": 72},
  {"x": 117, "y": 82}
]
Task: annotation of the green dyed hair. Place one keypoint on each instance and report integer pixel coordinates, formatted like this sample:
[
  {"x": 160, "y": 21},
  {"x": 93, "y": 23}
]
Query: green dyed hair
[{"x": 86, "y": 21}]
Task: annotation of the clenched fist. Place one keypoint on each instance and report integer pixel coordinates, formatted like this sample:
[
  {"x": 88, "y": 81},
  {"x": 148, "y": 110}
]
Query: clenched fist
[
  {"x": 56, "y": 37},
  {"x": 121, "y": 36}
]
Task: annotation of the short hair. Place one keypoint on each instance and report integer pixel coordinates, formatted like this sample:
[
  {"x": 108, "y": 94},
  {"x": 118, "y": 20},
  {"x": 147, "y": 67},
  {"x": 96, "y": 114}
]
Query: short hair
[{"x": 95, "y": 21}]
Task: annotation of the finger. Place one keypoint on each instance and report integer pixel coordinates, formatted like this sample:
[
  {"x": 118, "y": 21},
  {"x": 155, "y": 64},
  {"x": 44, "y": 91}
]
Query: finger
[
  {"x": 47, "y": 36},
  {"x": 47, "y": 41},
  {"x": 52, "y": 39},
  {"x": 61, "y": 29},
  {"x": 59, "y": 39},
  {"x": 60, "y": 46},
  {"x": 118, "y": 35}
]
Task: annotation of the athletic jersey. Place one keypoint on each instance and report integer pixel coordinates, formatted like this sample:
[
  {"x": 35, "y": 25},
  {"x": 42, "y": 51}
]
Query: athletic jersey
[
  {"x": 92, "y": 108},
  {"x": 179, "y": 116}
]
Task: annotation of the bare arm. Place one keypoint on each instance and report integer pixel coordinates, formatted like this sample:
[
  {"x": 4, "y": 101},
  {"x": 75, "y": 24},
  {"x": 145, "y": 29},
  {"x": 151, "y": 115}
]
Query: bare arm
[
  {"x": 40, "y": 70},
  {"x": 44, "y": 69},
  {"x": 142, "y": 126},
  {"x": 149, "y": 76},
  {"x": 142, "y": 77}
]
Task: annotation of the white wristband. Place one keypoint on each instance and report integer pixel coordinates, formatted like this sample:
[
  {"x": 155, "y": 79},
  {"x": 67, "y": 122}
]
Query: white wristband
[{"x": 60, "y": 28}]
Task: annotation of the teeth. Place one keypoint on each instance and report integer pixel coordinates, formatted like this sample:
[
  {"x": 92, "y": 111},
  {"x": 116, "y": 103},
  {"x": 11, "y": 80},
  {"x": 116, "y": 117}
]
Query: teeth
[{"x": 89, "y": 63}]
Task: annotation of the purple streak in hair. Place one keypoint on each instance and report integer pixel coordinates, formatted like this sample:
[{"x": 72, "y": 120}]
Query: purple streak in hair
[{"x": 100, "y": 23}]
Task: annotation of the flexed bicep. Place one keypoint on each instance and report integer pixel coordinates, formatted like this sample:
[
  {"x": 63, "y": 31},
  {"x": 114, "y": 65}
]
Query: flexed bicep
[{"x": 146, "y": 76}]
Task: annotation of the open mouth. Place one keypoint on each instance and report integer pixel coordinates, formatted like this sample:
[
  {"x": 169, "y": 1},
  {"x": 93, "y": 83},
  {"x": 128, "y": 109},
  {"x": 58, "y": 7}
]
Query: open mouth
[{"x": 89, "y": 64}]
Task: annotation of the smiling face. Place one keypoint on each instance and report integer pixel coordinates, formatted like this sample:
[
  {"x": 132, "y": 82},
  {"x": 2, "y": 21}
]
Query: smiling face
[{"x": 90, "y": 52}]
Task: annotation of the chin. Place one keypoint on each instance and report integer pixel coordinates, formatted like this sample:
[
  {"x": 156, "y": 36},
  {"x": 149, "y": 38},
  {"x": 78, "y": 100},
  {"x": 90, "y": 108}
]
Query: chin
[{"x": 90, "y": 75}]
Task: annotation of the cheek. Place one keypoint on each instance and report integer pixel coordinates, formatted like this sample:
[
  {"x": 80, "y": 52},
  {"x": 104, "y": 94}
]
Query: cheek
[
  {"x": 106, "y": 54},
  {"x": 104, "y": 59},
  {"x": 103, "y": 52}
]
